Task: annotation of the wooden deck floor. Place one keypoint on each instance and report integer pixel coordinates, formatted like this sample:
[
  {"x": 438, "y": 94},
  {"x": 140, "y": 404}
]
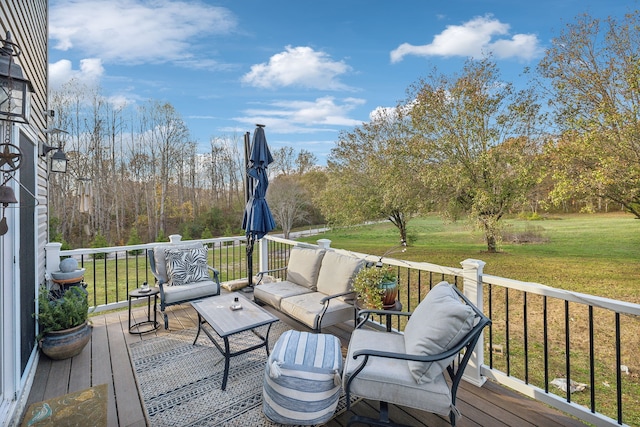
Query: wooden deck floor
[{"x": 106, "y": 360}]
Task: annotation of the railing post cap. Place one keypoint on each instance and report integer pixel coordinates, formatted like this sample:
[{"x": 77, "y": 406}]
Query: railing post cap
[
  {"x": 324, "y": 243},
  {"x": 473, "y": 263},
  {"x": 175, "y": 238},
  {"x": 53, "y": 245}
]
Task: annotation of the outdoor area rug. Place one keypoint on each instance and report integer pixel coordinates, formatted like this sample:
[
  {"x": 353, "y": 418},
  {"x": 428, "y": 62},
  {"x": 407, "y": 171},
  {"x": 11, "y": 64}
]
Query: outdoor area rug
[
  {"x": 82, "y": 408},
  {"x": 180, "y": 382}
]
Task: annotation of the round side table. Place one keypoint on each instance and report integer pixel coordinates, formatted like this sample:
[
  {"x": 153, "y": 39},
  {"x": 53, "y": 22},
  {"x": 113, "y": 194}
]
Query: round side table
[{"x": 146, "y": 325}]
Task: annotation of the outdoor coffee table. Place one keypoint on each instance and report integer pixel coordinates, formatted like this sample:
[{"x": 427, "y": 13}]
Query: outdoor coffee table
[{"x": 216, "y": 312}]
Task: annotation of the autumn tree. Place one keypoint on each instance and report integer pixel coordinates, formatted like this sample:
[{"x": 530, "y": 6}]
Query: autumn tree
[
  {"x": 594, "y": 70},
  {"x": 368, "y": 176},
  {"x": 476, "y": 143}
]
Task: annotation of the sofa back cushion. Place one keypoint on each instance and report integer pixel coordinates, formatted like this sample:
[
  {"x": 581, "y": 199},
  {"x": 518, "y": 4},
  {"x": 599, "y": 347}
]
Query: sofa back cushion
[
  {"x": 337, "y": 273},
  {"x": 303, "y": 267},
  {"x": 437, "y": 324},
  {"x": 160, "y": 257},
  {"x": 187, "y": 266}
]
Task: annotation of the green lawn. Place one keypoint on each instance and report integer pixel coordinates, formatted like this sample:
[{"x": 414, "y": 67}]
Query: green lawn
[{"x": 596, "y": 254}]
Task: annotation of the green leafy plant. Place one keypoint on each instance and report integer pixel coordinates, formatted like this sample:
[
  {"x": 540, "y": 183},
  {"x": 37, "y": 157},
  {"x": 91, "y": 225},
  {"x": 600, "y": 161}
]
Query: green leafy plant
[
  {"x": 369, "y": 282},
  {"x": 68, "y": 311}
]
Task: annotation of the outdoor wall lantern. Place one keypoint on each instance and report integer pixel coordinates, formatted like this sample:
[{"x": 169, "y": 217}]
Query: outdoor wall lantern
[
  {"x": 58, "y": 160},
  {"x": 16, "y": 91},
  {"x": 15, "y": 95}
]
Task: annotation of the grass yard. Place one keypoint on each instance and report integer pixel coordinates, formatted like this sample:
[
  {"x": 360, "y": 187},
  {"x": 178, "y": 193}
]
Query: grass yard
[{"x": 596, "y": 254}]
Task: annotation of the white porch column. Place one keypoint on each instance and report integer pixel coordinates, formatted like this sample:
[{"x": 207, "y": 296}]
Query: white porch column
[
  {"x": 52, "y": 258},
  {"x": 472, "y": 289},
  {"x": 263, "y": 260}
]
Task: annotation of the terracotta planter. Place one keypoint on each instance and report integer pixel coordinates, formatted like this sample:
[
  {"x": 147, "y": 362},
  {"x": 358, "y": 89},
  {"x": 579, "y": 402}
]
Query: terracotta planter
[{"x": 67, "y": 343}]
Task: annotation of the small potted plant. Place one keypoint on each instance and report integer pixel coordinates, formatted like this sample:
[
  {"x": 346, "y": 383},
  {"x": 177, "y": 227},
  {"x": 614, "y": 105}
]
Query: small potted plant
[
  {"x": 64, "y": 329},
  {"x": 376, "y": 287}
]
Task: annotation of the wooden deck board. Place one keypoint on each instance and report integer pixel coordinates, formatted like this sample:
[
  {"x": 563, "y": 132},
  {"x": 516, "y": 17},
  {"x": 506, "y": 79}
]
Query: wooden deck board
[{"x": 106, "y": 360}]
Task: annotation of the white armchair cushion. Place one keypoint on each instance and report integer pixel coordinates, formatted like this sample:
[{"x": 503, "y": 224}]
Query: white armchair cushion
[
  {"x": 303, "y": 266},
  {"x": 337, "y": 273},
  {"x": 437, "y": 324},
  {"x": 389, "y": 379},
  {"x": 187, "y": 266}
]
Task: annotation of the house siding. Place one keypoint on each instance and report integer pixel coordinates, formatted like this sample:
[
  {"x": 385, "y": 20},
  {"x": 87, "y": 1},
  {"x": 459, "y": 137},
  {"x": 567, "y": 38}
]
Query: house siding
[{"x": 22, "y": 253}]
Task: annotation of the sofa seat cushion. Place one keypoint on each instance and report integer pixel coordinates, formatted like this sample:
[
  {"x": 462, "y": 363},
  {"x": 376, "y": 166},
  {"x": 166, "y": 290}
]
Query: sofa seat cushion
[
  {"x": 438, "y": 323},
  {"x": 304, "y": 265},
  {"x": 387, "y": 379},
  {"x": 191, "y": 291},
  {"x": 337, "y": 273},
  {"x": 273, "y": 293},
  {"x": 306, "y": 309}
]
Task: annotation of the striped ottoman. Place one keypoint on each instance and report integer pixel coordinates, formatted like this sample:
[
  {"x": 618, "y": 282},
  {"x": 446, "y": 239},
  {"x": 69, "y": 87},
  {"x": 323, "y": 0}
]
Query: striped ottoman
[{"x": 302, "y": 379}]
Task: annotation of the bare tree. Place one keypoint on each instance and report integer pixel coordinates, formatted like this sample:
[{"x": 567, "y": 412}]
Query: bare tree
[{"x": 288, "y": 202}]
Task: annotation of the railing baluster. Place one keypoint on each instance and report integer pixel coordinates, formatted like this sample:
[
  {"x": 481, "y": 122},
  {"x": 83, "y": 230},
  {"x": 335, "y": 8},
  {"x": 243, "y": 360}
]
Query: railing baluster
[
  {"x": 592, "y": 370},
  {"x": 526, "y": 339},
  {"x": 490, "y": 327},
  {"x": 618, "y": 370},
  {"x": 506, "y": 329},
  {"x": 545, "y": 339},
  {"x": 567, "y": 350}
]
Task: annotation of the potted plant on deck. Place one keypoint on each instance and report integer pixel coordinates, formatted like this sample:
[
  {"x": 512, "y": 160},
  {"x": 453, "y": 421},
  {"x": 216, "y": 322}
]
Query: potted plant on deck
[
  {"x": 64, "y": 329},
  {"x": 376, "y": 287}
]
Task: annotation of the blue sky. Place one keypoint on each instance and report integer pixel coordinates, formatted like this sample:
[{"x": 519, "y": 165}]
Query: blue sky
[{"x": 305, "y": 69}]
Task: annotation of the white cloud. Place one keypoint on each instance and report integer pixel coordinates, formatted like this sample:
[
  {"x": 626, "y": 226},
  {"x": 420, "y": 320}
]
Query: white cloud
[
  {"x": 298, "y": 66},
  {"x": 89, "y": 74},
  {"x": 135, "y": 31},
  {"x": 474, "y": 38},
  {"x": 304, "y": 116}
]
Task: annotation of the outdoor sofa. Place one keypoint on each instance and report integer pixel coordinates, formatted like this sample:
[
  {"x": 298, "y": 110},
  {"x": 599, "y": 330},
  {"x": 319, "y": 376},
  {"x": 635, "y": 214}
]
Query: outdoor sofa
[{"x": 317, "y": 290}]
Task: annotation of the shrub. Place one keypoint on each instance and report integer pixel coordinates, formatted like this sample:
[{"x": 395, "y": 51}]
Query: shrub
[{"x": 68, "y": 311}]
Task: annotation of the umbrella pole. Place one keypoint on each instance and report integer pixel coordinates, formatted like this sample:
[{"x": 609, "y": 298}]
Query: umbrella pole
[
  {"x": 247, "y": 192},
  {"x": 247, "y": 179},
  {"x": 250, "y": 241}
]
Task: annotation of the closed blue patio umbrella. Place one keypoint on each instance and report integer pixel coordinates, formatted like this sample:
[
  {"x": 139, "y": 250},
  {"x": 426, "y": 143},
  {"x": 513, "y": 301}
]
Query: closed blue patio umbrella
[{"x": 257, "y": 220}]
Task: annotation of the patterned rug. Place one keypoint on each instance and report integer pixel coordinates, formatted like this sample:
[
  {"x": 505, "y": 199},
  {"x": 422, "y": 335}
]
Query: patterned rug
[{"x": 180, "y": 382}]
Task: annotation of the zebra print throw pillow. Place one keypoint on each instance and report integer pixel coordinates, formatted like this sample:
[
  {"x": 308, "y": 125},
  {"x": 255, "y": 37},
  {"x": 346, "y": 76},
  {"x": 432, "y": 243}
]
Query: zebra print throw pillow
[{"x": 186, "y": 266}]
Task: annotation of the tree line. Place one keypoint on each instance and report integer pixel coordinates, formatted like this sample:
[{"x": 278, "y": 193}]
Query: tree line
[{"x": 466, "y": 145}]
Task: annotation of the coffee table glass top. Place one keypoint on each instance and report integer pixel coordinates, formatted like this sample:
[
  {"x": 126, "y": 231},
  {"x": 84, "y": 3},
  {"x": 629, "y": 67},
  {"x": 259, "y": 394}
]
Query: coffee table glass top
[{"x": 218, "y": 314}]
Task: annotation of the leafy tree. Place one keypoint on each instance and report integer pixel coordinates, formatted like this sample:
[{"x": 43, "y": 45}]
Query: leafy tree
[
  {"x": 594, "y": 70},
  {"x": 477, "y": 140},
  {"x": 368, "y": 175}
]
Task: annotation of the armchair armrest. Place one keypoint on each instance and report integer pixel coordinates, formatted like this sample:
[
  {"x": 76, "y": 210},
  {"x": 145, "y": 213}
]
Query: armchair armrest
[{"x": 216, "y": 273}]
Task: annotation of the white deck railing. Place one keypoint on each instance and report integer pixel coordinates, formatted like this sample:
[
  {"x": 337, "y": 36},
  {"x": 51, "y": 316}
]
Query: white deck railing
[{"x": 509, "y": 348}]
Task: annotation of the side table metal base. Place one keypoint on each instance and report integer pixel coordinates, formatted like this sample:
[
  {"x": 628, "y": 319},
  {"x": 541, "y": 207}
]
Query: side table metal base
[{"x": 148, "y": 325}]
